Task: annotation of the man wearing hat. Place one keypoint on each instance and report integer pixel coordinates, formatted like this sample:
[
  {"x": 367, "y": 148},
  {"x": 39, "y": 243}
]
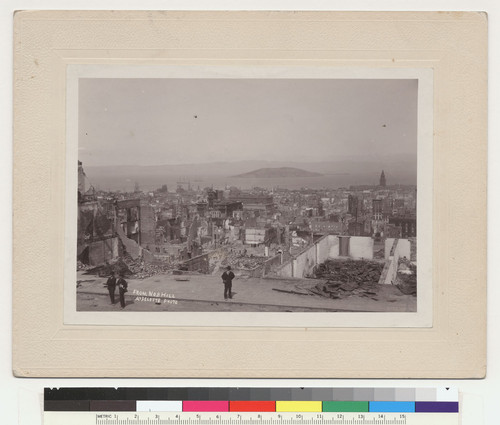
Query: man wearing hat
[
  {"x": 227, "y": 279},
  {"x": 111, "y": 284},
  {"x": 122, "y": 286}
]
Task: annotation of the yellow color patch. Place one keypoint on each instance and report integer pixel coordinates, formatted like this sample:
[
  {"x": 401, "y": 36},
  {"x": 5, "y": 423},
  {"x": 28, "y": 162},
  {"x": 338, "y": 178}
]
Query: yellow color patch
[{"x": 299, "y": 406}]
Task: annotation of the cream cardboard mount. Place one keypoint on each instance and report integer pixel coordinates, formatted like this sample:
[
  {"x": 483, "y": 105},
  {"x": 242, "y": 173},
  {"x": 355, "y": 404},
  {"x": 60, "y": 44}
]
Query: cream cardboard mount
[{"x": 447, "y": 52}]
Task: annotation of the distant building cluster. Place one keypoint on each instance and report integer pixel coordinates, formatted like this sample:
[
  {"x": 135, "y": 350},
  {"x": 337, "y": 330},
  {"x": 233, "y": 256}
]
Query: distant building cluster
[{"x": 178, "y": 225}]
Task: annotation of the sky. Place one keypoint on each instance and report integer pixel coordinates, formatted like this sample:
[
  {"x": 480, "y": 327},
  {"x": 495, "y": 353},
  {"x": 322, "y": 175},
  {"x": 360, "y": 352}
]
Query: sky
[{"x": 141, "y": 121}]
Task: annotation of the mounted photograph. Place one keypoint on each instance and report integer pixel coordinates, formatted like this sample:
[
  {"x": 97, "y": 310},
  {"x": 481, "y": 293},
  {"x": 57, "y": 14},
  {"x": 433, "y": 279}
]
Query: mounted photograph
[
  {"x": 303, "y": 192},
  {"x": 246, "y": 194}
]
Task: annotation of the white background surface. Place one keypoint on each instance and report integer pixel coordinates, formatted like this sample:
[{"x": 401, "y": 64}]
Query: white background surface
[{"x": 21, "y": 399}]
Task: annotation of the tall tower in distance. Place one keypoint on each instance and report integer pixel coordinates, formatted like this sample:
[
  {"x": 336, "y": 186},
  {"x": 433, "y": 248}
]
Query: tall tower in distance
[{"x": 382, "y": 179}]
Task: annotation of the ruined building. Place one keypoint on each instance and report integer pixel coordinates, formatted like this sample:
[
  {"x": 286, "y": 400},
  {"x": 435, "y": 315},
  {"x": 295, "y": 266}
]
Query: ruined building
[{"x": 107, "y": 228}]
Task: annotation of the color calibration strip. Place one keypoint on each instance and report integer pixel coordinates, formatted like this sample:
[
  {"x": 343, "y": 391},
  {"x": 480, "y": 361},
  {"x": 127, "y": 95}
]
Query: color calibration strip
[
  {"x": 302, "y": 406},
  {"x": 252, "y": 400}
]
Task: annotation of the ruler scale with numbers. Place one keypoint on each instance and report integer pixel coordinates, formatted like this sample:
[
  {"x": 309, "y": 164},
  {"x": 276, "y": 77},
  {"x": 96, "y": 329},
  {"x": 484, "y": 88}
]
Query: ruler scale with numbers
[
  {"x": 248, "y": 418},
  {"x": 251, "y": 406}
]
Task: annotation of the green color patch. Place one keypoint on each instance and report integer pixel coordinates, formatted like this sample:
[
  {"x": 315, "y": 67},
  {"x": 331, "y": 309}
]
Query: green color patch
[{"x": 345, "y": 406}]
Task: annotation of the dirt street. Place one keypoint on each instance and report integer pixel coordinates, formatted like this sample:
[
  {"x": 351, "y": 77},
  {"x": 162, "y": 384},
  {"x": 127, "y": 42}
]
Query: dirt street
[{"x": 195, "y": 292}]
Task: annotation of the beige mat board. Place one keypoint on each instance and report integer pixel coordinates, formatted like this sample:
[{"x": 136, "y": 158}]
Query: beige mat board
[{"x": 451, "y": 46}]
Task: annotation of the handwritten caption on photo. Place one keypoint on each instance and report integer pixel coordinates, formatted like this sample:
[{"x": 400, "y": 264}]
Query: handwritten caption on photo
[{"x": 154, "y": 297}]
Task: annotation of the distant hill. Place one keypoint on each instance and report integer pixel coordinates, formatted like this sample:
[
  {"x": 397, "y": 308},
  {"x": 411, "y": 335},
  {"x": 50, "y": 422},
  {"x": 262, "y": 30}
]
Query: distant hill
[
  {"x": 280, "y": 172},
  {"x": 400, "y": 169}
]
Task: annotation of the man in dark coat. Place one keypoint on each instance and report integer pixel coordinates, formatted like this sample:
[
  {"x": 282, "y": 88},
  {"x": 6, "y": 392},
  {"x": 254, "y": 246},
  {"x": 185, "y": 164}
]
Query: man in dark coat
[
  {"x": 122, "y": 286},
  {"x": 111, "y": 284},
  {"x": 227, "y": 278}
]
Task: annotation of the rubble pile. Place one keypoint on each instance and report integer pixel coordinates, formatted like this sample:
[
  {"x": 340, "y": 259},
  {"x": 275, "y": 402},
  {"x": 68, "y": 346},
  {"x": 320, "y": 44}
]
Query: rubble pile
[
  {"x": 347, "y": 278},
  {"x": 379, "y": 254},
  {"x": 140, "y": 269},
  {"x": 338, "y": 290},
  {"x": 237, "y": 260},
  {"x": 240, "y": 261},
  {"x": 360, "y": 272},
  {"x": 82, "y": 266},
  {"x": 126, "y": 265},
  {"x": 119, "y": 266},
  {"x": 406, "y": 279}
]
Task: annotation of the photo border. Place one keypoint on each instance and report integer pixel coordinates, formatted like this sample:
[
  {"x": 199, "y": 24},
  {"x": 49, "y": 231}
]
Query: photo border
[{"x": 421, "y": 318}]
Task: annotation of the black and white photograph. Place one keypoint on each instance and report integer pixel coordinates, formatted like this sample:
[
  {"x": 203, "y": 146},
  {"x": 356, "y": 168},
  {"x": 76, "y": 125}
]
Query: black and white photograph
[
  {"x": 303, "y": 193},
  {"x": 247, "y": 195}
]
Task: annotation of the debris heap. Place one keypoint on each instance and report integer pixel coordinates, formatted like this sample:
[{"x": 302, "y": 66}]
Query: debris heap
[
  {"x": 406, "y": 279},
  {"x": 235, "y": 259},
  {"x": 348, "y": 277},
  {"x": 126, "y": 265},
  {"x": 141, "y": 269},
  {"x": 358, "y": 272},
  {"x": 338, "y": 290},
  {"x": 82, "y": 266}
]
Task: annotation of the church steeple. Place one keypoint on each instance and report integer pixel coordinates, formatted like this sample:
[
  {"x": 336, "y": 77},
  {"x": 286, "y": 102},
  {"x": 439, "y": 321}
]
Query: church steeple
[{"x": 382, "y": 179}]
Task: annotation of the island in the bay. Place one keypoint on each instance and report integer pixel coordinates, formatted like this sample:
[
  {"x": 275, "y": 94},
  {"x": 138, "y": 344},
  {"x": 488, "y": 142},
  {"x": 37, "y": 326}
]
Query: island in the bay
[{"x": 281, "y": 172}]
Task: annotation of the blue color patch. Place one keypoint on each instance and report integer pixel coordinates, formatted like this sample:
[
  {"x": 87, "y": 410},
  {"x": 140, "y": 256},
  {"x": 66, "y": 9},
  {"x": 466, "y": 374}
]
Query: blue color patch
[{"x": 392, "y": 406}]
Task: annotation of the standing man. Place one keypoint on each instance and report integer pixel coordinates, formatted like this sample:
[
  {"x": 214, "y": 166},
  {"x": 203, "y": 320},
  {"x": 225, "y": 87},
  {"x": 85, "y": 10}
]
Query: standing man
[
  {"x": 227, "y": 278},
  {"x": 111, "y": 284},
  {"x": 122, "y": 286}
]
